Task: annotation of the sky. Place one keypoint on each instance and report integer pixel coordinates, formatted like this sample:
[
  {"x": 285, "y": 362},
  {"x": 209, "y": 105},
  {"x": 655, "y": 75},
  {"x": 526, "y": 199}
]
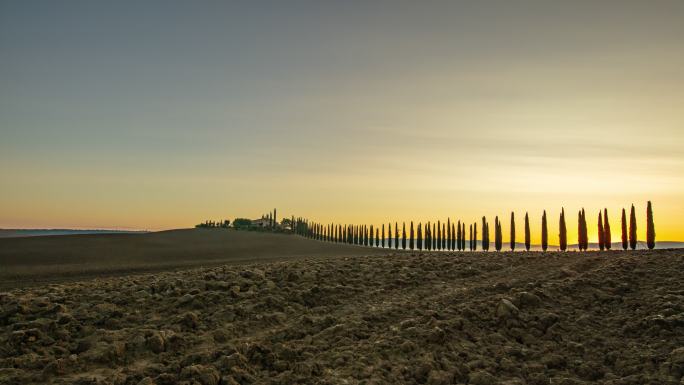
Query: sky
[{"x": 161, "y": 114}]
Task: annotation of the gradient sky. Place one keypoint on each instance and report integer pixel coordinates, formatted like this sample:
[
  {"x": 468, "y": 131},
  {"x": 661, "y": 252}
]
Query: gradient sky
[{"x": 155, "y": 115}]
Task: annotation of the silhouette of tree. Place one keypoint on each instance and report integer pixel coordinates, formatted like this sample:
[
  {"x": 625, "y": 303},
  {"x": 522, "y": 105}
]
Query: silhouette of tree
[
  {"x": 512, "y": 231},
  {"x": 545, "y": 233},
  {"x": 427, "y": 236},
  {"x": 527, "y": 232},
  {"x": 396, "y": 235},
  {"x": 474, "y": 236},
  {"x": 411, "y": 238},
  {"x": 439, "y": 236},
  {"x": 420, "y": 237},
  {"x": 607, "y": 239},
  {"x": 632, "y": 229},
  {"x": 484, "y": 234},
  {"x": 600, "y": 232},
  {"x": 650, "y": 227},
  {"x": 434, "y": 237},
  {"x": 458, "y": 235},
  {"x": 463, "y": 237},
  {"x": 377, "y": 237},
  {"x": 443, "y": 236},
  {"x": 470, "y": 238},
  {"x": 563, "y": 232},
  {"x": 624, "y": 230},
  {"x": 453, "y": 236},
  {"x": 403, "y": 236},
  {"x": 383, "y": 235},
  {"x": 371, "y": 235},
  {"x": 448, "y": 240},
  {"x": 389, "y": 235},
  {"x": 497, "y": 234},
  {"x": 583, "y": 239}
]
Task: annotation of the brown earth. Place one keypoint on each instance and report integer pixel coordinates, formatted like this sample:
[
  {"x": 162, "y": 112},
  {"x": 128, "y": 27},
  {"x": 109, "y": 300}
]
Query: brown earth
[
  {"x": 402, "y": 318},
  {"x": 54, "y": 259}
]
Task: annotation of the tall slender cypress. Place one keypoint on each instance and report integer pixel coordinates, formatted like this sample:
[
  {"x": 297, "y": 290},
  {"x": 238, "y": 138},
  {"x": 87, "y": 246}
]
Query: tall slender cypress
[
  {"x": 527, "y": 232},
  {"x": 563, "y": 232},
  {"x": 463, "y": 237},
  {"x": 458, "y": 235},
  {"x": 650, "y": 227},
  {"x": 607, "y": 239},
  {"x": 377, "y": 237},
  {"x": 545, "y": 233},
  {"x": 420, "y": 237},
  {"x": 632, "y": 229},
  {"x": 453, "y": 236},
  {"x": 383, "y": 235},
  {"x": 434, "y": 237},
  {"x": 475, "y": 236},
  {"x": 411, "y": 238},
  {"x": 624, "y": 230},
  {"x": 396, "y": 235},
  {"x": 389, "y": 235},
  {"x": 427, "y": 236},
  {"x": 371, "y": 236},
  {"x": 448, "y": 234},
  {"x": 512, "y": 231},
  {"x": 403, "y": 236},
  {"x": 443, "y": 236},
  {"x": 470, "y": 238},
  {"x": 439, "y": 236},
  {"x": 497, "y": 234},
  {"x": 484, "y": 234},
  {"x": 600, "y": 232}
]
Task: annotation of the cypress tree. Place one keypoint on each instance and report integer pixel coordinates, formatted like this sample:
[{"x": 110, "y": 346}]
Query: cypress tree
[
  {"x": 434, "y": 237},
  {"x": 545, "y": 233},
  {"x": 563, "y": 236},
  {"x": 453, "y": 236},
  {"x": 527, "y": 233},
  {"x": 420, "y": 237},
  {"x": 389, "y": 235},
  {"x": 383, "y": 235},
  {"x": 403, "y": 236},
  {"x": 475, "y": 236},
  {"x": 371, "y": 235},
  {"x": 498, "y": 237},
  {"x": 624, "y": 229},
  {"x": 427, "y": 236},
  {"x": 439, "y": 236},
  {"x": 458, "y": 235},
  {"x": 607, "y": 239},
  {"x": 650, "y": 227},
  {"x": 632, "y": 229},
  {"x": 600, "y": 232},
  {"x": 411, "y": 238},
  {"x": 377, "y": 237},
  {"x": 443, "y": 237},
  {"x": 448, "y": 234},
  {"x": 512, "y": 231},
  {"x": 463, "y": 237},
  {"x": 470, "y": 238},
  {"x": 484, "y": 234},
  {"x": 396, "y": 235}
]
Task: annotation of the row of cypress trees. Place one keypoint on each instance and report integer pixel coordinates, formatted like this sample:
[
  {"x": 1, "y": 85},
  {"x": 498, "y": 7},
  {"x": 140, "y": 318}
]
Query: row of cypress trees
[{"x": 451, "y": 236}]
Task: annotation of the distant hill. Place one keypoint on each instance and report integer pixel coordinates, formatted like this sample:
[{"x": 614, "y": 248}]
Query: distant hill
[{"x": 20, "y": 233}]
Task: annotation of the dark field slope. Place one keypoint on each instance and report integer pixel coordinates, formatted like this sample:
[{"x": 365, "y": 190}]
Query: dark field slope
[{"x": 25, "y": 261}]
